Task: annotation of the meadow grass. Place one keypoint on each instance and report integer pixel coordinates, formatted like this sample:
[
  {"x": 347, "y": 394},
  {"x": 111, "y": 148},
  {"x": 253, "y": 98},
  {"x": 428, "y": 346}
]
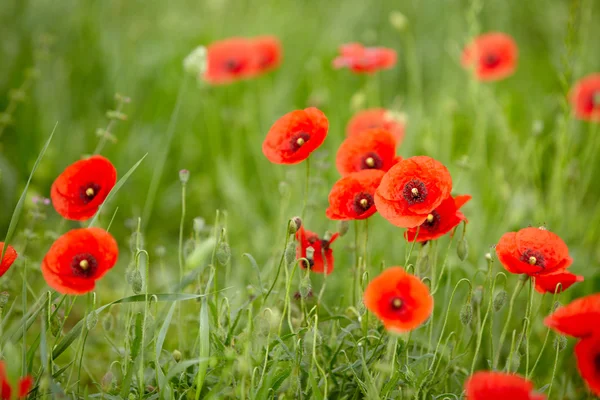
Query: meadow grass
[{"x": 207, "y": 300}]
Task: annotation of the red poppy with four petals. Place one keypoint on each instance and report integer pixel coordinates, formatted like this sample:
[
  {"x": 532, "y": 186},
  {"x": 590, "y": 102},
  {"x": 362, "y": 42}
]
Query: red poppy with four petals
[
  {"x": 492, "y": 56},
  {"x": 229, "y": 60},
  {"x": 370, "y": 149},
  {"x": 351, "y": 197}
]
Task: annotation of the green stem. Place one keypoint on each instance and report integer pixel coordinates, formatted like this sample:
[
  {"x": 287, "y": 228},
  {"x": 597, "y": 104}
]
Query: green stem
[
  {"x": 554, "y": 369},
  {"x": 281, "y": 261},
  {"x": 306, "y": 188},
  {"x": 181, "y": 262},
  {"x": 505, "y": 329}
]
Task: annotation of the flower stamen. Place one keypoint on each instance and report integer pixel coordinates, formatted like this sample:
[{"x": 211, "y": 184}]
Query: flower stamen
[
  {"x": 89, "y": 192},
  {"x": 370, "y": 162},
  {"x": 532, "y": 260},
  {"x": 84, "y": 264},
  {"x": 397, "y": 303}
]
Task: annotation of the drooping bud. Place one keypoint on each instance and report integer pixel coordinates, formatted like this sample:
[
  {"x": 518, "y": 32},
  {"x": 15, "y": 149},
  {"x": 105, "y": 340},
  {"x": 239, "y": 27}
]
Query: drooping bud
[
  {"x": 398, "y": 20},
  {"x": 176, "y": 355},
  {"x": 466, "y": 314},
  {"x": 478, "y": 295},
  {"x": 488, "y": 256},
  {"x": 462, "y": 249},
  {"x": 198, "y": 225},
  {"x": 343, "y": 227},
  {"x": 3, "y": 299},
  {"x": 560, "y": 342},
  {"x": 294, "y": 225},
  {"x": 290, "y": 253},
  {"x": 107, "y": 381},
  {"x": 136, "y": 281},
  {"x": 184, "y": 176},
  {"x": 223, "y": 253},
  {"x": 500, "y": 300},
  {"x": 305, "y": 287},
  {"x": 91, "y": 320},
  {"x": 516, "y": 361}
]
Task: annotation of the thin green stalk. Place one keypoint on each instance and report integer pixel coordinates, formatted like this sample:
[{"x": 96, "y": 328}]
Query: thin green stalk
[
  {"x": 530, "y": 373},
  {"x": 181, "y": 261},
  {"x": 505, "y": 329},
  {"x": 281, "y": 261},
  {"x": 554, "y": 369},
  {"x": 356, "y": 264},
  {"x": 306, "y": 188},
  {"x": 528, "y": 330}
]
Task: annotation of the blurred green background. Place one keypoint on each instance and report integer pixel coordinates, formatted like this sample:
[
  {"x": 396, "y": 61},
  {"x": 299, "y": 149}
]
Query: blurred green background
[{"x": 512, "y": 145}]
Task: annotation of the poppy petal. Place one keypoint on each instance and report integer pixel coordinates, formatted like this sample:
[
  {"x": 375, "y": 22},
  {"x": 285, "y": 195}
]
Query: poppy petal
[{"x": 578, "y": 318}]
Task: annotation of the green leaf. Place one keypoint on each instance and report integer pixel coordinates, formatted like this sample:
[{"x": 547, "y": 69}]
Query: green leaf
[{"x": 115, "y": 189}]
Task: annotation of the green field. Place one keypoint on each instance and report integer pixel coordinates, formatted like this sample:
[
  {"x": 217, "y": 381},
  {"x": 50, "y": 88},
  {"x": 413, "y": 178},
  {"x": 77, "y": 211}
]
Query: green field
[{"x": 513, "y": 145}]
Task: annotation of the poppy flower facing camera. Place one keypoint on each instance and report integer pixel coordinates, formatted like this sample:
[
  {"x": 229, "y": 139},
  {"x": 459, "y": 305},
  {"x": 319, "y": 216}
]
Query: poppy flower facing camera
[
  {"x": 491, "y": 56},
  {"x": 351, "y": 197},
  {"x": 369, "y": 149},
  {"x": 585, "y": 98}
]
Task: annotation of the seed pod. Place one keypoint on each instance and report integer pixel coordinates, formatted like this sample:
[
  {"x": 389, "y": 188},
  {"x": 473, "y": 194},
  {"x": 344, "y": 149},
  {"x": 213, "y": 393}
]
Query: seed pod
[
  {"x": 463, "y": 249},
  {"x": 343, "y": 227},
  {"x": 466, "y": 314},
  {"x": 91, "y": 320},
  {"x": 305, "y": 287},
  {"x": 176, "y": 355},
  {"x": 560, "y": 342},
  {"x": 223, "y": 253},
  {"x": 556, "y": 305},
  {"x": 500, "y": 300},
  {"x": 290, "y": 253},
  {"x": 3, "y": 299}
]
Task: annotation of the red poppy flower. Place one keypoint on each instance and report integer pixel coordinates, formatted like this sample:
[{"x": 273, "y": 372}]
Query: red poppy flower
[
  {"x": 360, "y": 59},
  {"x": 267, "y": 53},
  {"x": 587, "y": 352},
  {"x": 376, "y": 118},
  {"x": 10, "y": 255},
  {"x": 229, "y": 60},
  {"x": 352, "y": 196},
  {"x": 578, "y": 318},
  {"x": 82, "y": 187},
  {"x": 492, "y": 56},
  {"x": 585, "y": 98},
  {"x": 440, "y": 221},
  {"x": 78, "y": 259},
  {"x": 316, "y": 250},
  {"x": 370, "y": 149},
  {"x": 548, "y": 283},
  {"x": 488, "y": 385},
  {"x": 533, "y": 251},
  {"x": 23, "y": 385},
  {"x": 411, "y": 190},
  {"x": 294, "y": 136},
  {"x": 400, "y": 300}
]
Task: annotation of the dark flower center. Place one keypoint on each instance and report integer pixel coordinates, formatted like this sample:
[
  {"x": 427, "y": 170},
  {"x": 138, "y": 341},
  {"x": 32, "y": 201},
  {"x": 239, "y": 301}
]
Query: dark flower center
[
  {"x": 432, "y": 221},
  {"x": 534, "y": 257},
  {"x": 299, "y": 140},
  {"x": 89, "y": 192},
  {"x": 84, "y": 265},
  {"x": 597, "y": 362},
  {"x": 414, "y": 192},
  {"x": 397, "y": 304},
  {"x": 491, "y": 60},
  {"x": 233, "y": 66},
  {"x": 325, "y": 244},
  {"x": 371, "y": 161},
  {"x": 362, "y": 203}
]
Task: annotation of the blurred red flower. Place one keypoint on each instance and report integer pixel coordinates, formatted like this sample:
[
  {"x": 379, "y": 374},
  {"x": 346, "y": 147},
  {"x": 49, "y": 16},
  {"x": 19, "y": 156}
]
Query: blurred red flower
[
  {"x": 533, "y": 251},
  {"x": 294, "y": 136},
  {"x": 230, "y": 60},
  {"x": 352, "y": 196},
  {"x": 376, "y": 118},
  {"x": 370, "y": 149},
  {"x": 411, "y": 190},
  {"x": 548, "y": 283},
  {"x": 78, "y": 259},
  {"x": 10, "y": 255},
  {"x": 578, "y": 319},
  {"x": 360, "y": 59},
  {"x": 268, "y": 53},
  {"x": 488, "y": 385},
  {"x": 400, "y": 300},
  {"x": 492, "y": 56},
  {"x": 585, "y": 98},
  {"x": 6, "y": 390},
  {"x": 82, "y": 187},
  {"x": 316, "y": 250},
  {"x": 587, "y": 352},
  {"x": 440, "y": 221}
]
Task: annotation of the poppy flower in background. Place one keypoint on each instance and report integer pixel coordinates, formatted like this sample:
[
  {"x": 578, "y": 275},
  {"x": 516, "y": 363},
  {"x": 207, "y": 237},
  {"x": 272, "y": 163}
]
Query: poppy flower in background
[
  {"x": 82, "y": 187},
  {"x": 585, "y": 98},
  {"x": 370, "y": 149},
  {"x": 411, "y": 190},
  {"x": 294, "y": 136},
  {"x": 578, "y": 319},
  {"x": 229, "y": 60},
  {"x": 352, "y": 196},
  {"x": 548, "y": 283},
  {"x": 400, "y": 300},
  {"x": 10, "y": 255},
  {"x": 440, "y": 221},
  {"x": 533, "y": 251},
  {"x": 587, "y": 352},
  {"x": 377, "y": 118},
  {"x": 488, "y": 385},
  {"x": 268, "y": 53},
  {"x": 492, "y": 56},
  {"x": 316, "y": 250},
  {"x": 78, "y": 259},
  {"x": 6, "y": 390},
  {"x": 361, "y": 59}
]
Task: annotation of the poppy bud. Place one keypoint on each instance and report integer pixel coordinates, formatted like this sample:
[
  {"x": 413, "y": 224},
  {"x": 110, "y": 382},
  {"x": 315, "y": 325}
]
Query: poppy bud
[
  {"x": 290, "y": 253},
  {"x": 136, "y": 281},
  {"x": 107, "y": 381},
  {"x": 463, "y": 249},
  {"x": 343, "y": 227},
  {"x": 108, "y": 322},
  {"x": 91, "y": 320},
  {"x": 176, "y": 355},
  {"x": 516, "y": 361},
  {"x": 294, "y": 224},
  {"x": 478, "y": 294},
  {"x": 196, "y": 63},
  {"x": 184, "y": 176},
  {"x": 310, "y": 252},
  {"x": 305, "y": 287},
  {"x": 423, "y": 264},
  {"x": 131, "y": 396},
  {"x": 488, "y": 256},
  {"x": 560, "y": 342},
  {"x": 55, "y": 325},
  {"x": 44, "y": 384},
  {"x": 199, "y": 225},
  {"x": 500, "y": 300},
  {"x": 555, "y": 306},
  {"x": 3, "y": 299},
  {"x": 466, "y": 314},
  {"x": 223, "y": 253},
  {"x": 398, "y": 20}
]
